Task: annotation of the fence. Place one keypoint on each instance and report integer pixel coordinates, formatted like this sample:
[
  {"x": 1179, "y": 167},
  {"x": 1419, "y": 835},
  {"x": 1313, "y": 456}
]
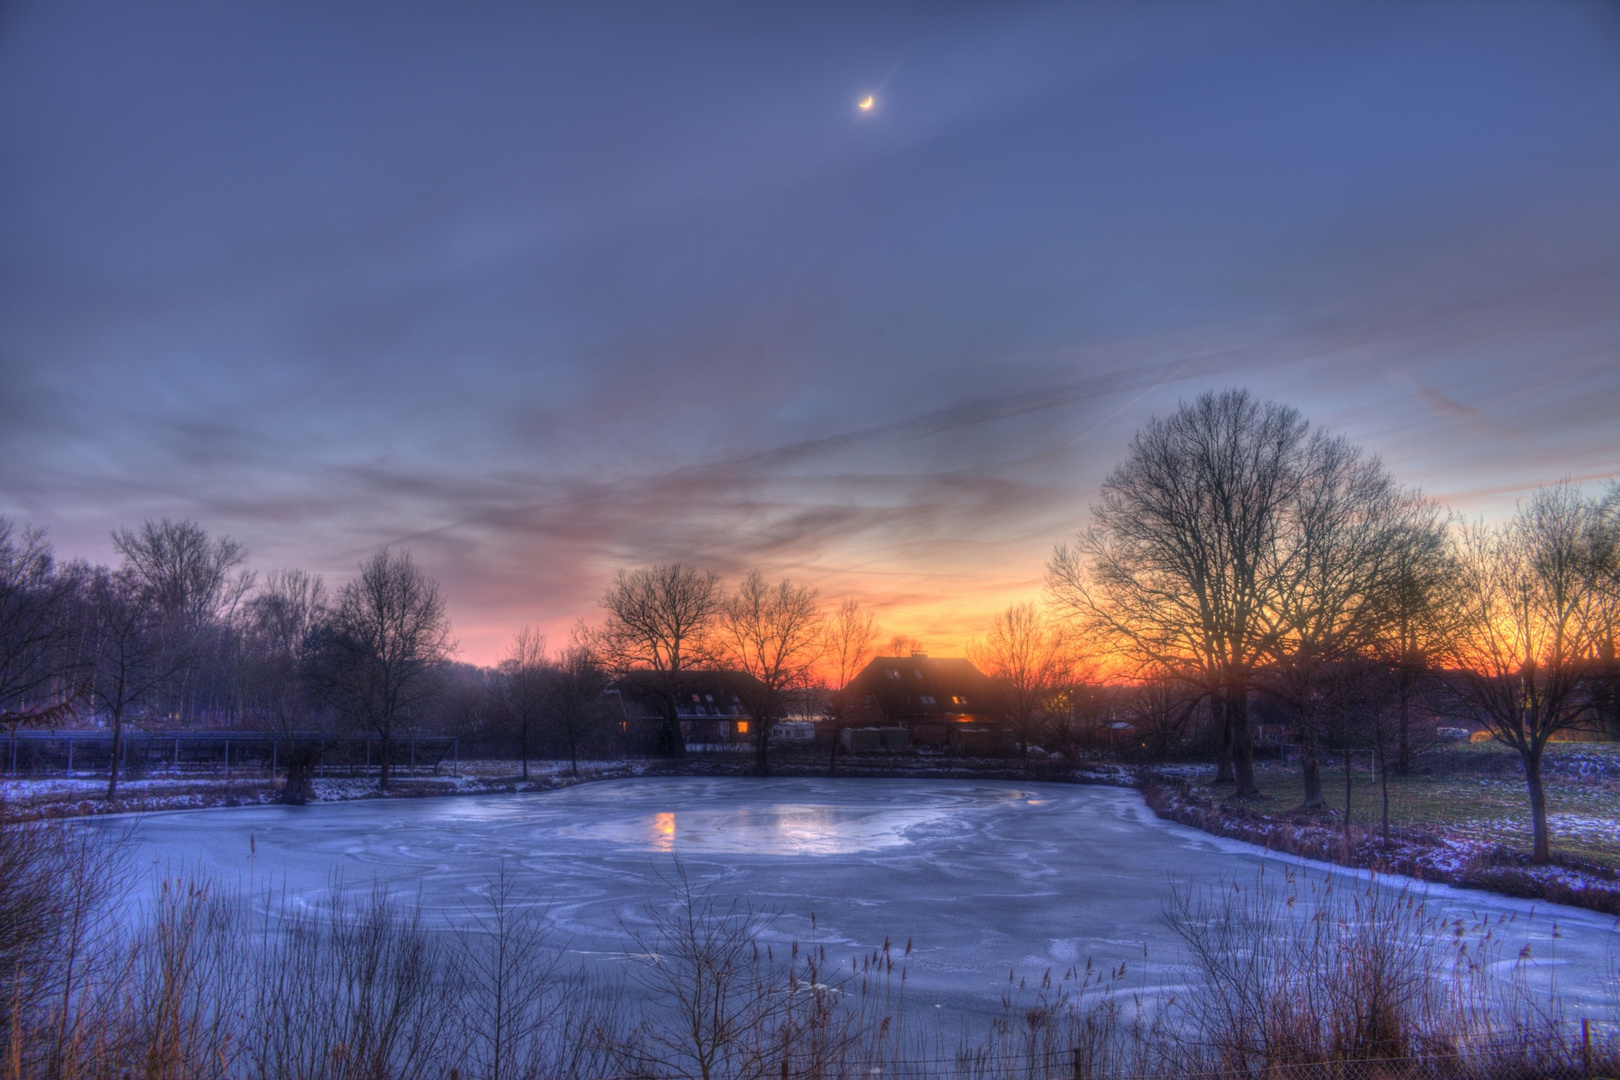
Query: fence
[
  {"x": 1585, "y": 1054},
  {"x": 214, "y": 753}
]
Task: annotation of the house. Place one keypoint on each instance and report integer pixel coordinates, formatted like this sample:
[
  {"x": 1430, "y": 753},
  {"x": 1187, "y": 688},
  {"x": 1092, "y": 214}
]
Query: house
[
  {"x": 709, "y": 705},
  {"x": 943, "y": 703}
]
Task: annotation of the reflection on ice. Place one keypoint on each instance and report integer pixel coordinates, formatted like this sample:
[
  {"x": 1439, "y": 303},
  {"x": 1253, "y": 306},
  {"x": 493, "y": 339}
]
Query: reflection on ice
[
  {"x": 663, "y": 832},
  {"x": 782, "y": 829}
]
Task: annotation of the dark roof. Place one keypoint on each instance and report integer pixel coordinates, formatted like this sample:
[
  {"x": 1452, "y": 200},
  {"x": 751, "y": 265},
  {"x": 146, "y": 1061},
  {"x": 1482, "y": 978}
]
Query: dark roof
[
  {"x": 699, "y": 694},
  {"x": 919, "y": 687}
]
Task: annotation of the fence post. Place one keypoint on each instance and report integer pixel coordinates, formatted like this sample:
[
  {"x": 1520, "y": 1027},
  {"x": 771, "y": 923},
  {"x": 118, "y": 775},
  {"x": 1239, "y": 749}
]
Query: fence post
[
  {"x": 70, "y": 755},
  {"x": 1586, "y": 1046},
  {"x": 13, "y": 753},
  {"x": 1079, "y": 1072},
  {"x": 177, "y": 754}
]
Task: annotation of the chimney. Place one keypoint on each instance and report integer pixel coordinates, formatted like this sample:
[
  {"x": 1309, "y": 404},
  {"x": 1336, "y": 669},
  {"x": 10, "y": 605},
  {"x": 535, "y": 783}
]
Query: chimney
[{"x": 919, "y": 656}]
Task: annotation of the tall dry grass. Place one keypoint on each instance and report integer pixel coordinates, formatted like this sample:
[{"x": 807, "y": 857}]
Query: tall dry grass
[{"x": 1284, "y": 973}]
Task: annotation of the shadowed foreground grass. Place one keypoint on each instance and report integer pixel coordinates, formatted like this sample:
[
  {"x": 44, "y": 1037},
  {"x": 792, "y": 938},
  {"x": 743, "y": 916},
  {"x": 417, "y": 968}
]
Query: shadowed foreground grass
[{"x": 1285, "y": 972}]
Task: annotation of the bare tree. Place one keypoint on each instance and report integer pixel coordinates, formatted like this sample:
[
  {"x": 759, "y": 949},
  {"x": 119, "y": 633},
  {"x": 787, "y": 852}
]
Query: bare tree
[
  {"x": 573, "y": 704},
  {"x": 183, "y": 570},
  {"x": 386, "y": 639},
  {"x": 1033, "y": 659},
  {"x": 1605, "y": 621},
  {"x": 1417, "y": 620},
  {"x": 1530, "y": 594},
  {"x": 1162, "y": 709},
  {"x": 1340, "y": 547},
  {"x": 776, "y": 634},
  {"x": 134, "y": 653},
  {"x": 193, "y": 582},
  {"x": 658, "y": 619},
  {"x": 40, "y": 677},
  {"x": 849, "y": 645},
  {"x": 901, "y": 645},
  {"x": 281, "y": 628},
  {"x": 1181, "y": 565},
  {"x": 524, "y": 674}
]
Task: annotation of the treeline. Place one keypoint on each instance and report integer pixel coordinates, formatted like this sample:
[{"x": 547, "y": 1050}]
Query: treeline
[
  {"x": 1245, "y": 555},
  {"x": 1239, "y": 559},
  {"x": 179, "y": 635}
]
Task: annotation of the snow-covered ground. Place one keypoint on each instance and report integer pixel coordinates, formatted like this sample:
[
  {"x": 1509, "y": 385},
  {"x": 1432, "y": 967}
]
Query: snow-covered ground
[{"x": 983, "y": 876}]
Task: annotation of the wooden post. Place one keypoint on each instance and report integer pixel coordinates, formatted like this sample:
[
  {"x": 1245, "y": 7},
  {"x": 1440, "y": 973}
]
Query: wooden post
[
  {"x": 177, "y": 754},
  {"x": 1079, "y": 1072},
  {"x": 1586, "y": 1046},
  {"x": 13, "y": 753},
  {"x": 70, "y": 755}
]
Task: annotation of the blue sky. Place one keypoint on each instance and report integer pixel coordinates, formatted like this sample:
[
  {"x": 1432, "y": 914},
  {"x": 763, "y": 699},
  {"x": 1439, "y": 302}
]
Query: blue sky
[{"x": 540, "y": 291}]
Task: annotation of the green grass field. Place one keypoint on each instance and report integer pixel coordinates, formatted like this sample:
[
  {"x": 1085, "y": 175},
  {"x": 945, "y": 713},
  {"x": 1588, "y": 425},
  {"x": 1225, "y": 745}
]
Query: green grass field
[{"x": 1486, "y": 799}]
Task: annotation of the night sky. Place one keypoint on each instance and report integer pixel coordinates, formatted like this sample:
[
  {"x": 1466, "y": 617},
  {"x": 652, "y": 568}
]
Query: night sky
[{"x": 541, "y": 290}]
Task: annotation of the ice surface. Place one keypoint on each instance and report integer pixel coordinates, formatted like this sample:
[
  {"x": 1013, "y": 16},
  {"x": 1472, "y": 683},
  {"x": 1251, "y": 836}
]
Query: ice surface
[{"x": 984, "y": 877}]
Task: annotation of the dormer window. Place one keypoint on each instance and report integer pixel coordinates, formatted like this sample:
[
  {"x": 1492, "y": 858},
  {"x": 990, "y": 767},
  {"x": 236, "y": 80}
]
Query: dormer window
[
  {"x": 894, "y": 673},
  {"x": 917, "y": 673},
  {"x": 928, "y": 699}
]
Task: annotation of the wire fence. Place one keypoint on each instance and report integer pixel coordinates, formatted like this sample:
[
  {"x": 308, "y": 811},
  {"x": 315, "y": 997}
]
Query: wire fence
[{"x": 1587, "y": 1052}]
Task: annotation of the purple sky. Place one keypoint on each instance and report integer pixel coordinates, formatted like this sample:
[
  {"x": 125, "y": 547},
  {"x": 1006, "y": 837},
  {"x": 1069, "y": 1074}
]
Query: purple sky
[{"x": 542, "y": 292}]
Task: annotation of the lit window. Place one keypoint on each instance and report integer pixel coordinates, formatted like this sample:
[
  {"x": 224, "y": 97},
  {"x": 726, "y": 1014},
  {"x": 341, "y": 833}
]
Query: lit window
[{"x": 742, "y": 727}]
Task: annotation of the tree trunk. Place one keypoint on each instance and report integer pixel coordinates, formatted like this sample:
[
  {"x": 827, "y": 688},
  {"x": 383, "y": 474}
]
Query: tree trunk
[
  {"x": 832, "y": 760},
  {"x": 1237, "y": 708},
  {"x": 670, "y": 742},
  {"x": 573, "y": 753},
  {"x": 523, "y": 745},
  {"x": 1348, "y": 780},
  {"x": 300, "y": 765},
  {"x": 1541, "y": 850},
  {"x": 386, "y": 749},
  {"x": 1223, "y": 749},
  {"x": 1403, "y": 753},
  {"x": 1310, "y": 759},
  {"x": 762, "y": 756},
  {"x": 117, "y": 750},
  {"x": 1383, "y": 780}
]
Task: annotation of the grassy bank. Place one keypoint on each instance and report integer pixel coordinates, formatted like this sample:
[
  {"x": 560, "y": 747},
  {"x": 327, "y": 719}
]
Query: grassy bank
[{"x": 1464, "y": 820}]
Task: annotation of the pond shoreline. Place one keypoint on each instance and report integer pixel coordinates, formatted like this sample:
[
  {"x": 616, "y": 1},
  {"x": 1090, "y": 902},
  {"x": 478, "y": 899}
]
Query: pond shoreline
[{"x": 1424, "y": 856}]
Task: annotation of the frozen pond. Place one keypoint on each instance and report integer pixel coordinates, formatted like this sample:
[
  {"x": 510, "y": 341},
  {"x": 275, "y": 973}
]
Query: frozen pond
[{"x": 983, "y": 876}]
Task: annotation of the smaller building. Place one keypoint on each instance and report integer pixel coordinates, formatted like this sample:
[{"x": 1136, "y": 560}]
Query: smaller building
[
  {"x": 709, "y": 705},
  {"x": 943, "y": 703}
]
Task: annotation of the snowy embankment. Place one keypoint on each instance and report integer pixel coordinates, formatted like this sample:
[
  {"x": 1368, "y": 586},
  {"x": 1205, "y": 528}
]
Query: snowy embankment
[
  {"x": 82, "y": 796},
  {"x": 1428, "y": 856}
]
